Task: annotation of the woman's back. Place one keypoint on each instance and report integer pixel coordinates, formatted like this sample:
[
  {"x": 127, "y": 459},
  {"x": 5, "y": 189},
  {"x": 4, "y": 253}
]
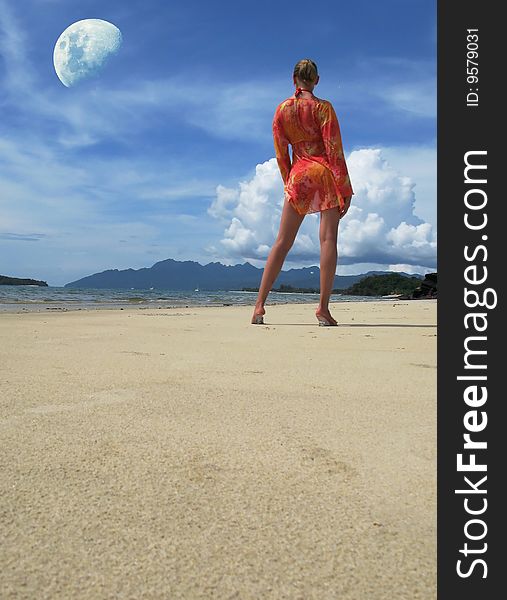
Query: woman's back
[
  {"x": 301, "y": 118},
  {"x": 317, "y": 178}
]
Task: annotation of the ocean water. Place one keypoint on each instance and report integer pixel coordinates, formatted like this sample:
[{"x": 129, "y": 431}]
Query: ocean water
[{"x": 22, "y": 298}]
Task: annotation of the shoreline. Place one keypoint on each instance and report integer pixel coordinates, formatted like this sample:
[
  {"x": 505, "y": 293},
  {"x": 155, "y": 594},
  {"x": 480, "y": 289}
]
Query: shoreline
[{"x": 42, "y": 307}]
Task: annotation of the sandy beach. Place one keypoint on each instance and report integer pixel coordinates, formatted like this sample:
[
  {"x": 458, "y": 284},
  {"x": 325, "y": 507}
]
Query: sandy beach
[{"x": 185, "y": 453}]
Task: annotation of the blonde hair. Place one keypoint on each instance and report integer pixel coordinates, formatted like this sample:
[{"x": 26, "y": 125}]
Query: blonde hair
[{"x": 306, "y": 71}]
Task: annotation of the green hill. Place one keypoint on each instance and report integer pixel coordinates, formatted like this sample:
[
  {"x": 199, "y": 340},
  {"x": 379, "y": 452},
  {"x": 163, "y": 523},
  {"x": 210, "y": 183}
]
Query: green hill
[
  {"x": 6, "y": 280},
  {"x": 384, "y": 285}
]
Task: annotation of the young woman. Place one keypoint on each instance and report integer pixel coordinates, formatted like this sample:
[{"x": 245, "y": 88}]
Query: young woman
[{"x": 317, "y": 180}]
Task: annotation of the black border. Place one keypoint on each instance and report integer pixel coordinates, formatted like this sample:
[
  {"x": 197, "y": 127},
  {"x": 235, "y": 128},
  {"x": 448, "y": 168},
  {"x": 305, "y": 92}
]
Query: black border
[{"x": 462, "y": 129}]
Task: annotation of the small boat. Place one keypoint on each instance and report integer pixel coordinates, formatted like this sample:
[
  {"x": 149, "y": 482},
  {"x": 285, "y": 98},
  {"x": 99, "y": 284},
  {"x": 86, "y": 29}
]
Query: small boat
[{"x": 196, "y": 290}]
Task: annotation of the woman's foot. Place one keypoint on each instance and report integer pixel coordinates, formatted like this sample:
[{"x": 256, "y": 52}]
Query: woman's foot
[
  {"x": 258, "y": 315},
  {"x": 324, "y": 317}
]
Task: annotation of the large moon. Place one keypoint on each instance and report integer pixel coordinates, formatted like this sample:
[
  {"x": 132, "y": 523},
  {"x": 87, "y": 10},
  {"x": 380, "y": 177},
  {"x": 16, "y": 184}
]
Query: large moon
[{"x": 83, "y": 49}]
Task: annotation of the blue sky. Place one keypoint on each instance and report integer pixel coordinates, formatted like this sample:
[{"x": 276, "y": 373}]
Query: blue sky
[{"x": 168, "y": 152}]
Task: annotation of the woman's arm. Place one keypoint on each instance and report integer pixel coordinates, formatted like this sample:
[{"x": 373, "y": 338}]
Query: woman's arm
[
  {"x": 331, "y": 136},
  {"x": 281, "y": 144}
]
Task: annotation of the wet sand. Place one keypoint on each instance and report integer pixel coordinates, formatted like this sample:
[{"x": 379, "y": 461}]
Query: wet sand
[{"x": 184, "y": 453}]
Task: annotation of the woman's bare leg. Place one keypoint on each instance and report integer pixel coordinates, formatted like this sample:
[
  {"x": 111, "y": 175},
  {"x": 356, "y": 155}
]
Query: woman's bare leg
[
  {"x": 289, "y": 226},
  {"x": 328, "y": 235}
]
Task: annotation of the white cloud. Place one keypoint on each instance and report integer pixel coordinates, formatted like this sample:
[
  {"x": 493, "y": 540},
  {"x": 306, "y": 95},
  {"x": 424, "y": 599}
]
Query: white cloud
[
  {"x": 361, "y": 234},
  {"x": 18, "y": 72},
  {"x": 380, "y": 228},
  {"x": 409, "y": 86},
  {"x": 418, "y": 97},
  {"x": 420, "y": 162},
  {"x": 410, "y": 269},
  {"x": 253, "y": 212},
  {"x": 223, "y": 205}
]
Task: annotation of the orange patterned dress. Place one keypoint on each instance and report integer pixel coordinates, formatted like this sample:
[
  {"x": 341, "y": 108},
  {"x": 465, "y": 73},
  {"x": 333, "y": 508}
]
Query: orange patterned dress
[{"x": 318, "y": 178}]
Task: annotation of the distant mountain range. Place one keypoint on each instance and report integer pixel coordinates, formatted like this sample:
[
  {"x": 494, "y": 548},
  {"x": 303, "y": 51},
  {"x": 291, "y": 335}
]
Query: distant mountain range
[{"x": 190, "y": 275}]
